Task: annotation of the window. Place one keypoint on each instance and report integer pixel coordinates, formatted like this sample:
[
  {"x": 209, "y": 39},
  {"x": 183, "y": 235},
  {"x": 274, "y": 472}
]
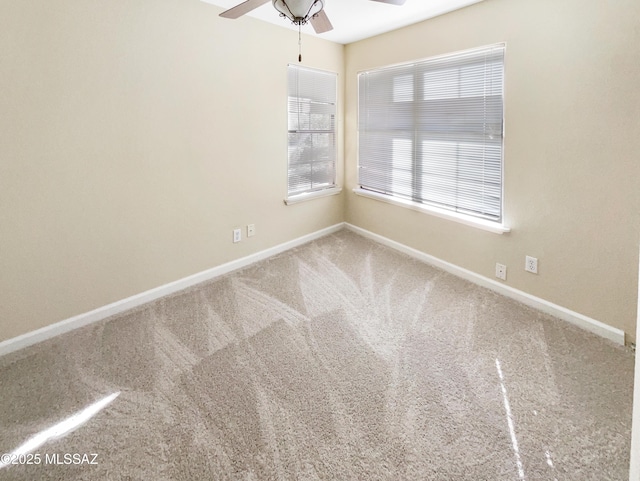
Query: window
[
  {"x": 312, "y": 131},
  {"x": 430, "y": 132}
]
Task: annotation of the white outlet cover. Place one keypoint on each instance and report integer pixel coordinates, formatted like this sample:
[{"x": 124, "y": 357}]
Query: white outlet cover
[
  {"x": 237, "y": 235},
  {"x": 531, "y": 264},
  {"x": 501, "y": 271}
]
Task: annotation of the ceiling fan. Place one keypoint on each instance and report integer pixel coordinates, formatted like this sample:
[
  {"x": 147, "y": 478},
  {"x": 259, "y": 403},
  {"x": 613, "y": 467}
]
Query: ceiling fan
[{"x": 298, "y": 11}]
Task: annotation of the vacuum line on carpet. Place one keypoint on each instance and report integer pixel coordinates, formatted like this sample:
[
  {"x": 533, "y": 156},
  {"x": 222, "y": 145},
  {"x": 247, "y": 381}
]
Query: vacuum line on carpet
[{"x": 512, "y": 431}]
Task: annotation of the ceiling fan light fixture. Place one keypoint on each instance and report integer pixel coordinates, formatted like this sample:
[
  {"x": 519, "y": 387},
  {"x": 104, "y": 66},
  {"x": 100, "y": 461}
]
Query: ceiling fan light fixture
[{"x": 298, "y": 11}]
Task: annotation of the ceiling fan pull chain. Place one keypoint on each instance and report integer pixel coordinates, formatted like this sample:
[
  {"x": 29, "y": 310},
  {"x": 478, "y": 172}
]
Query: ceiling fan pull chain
[{"x": 299, "y": 43}]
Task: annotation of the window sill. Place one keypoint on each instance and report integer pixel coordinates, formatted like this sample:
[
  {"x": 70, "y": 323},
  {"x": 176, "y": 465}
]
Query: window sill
[
  {"x": 442, "y": 213},
  {"x": 295, "y": 199}
]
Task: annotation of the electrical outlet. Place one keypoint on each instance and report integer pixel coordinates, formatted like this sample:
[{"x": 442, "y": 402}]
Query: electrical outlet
[
  {"x": 251, "y": 230},
  {"x": 531, "y": 264},
  {"x": 501, "y": 271},
  {"x": 237, "y": 235}
]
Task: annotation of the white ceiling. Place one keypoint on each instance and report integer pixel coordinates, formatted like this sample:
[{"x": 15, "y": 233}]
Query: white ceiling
[{"x": 355, "y": 20}]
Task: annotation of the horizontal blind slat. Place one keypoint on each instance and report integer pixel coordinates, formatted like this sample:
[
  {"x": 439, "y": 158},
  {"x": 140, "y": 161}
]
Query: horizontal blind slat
[
  {"x": 312, "y": 96},
  {"x": 431, "y": 131}
]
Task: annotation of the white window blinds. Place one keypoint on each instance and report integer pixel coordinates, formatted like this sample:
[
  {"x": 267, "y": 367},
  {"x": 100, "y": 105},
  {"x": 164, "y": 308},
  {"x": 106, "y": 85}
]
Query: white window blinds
[
  {"x": 431, "y": 131},
  {"x": 312, "y": 130}
]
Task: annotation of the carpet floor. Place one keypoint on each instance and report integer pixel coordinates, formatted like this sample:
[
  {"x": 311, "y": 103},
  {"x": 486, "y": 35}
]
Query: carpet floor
[{"x": 338, "y": 360}]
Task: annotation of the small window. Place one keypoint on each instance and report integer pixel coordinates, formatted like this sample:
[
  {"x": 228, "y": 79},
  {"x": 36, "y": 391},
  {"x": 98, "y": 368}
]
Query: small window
[
  {"x": 431, "y": 132},
  {"x": 312, "y": 131}
]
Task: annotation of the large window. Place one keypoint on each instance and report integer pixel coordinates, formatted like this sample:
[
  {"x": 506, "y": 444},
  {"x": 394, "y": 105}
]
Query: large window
[
  {"x": 312, "y": 131},
  {"x": 430, "y": 132}
]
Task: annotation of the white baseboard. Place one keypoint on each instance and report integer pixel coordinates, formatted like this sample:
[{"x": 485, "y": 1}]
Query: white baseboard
[
  {"x": 53, "y": 330},
  {"x": 587, "y": 323},
  {"x": 48, "y": 332}
]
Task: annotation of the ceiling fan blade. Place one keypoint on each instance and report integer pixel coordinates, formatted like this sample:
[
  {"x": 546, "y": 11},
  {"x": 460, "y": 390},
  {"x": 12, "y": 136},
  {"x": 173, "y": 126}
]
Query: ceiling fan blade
[
  {"x": 391, "y": 2},
  {"x": 241, "y": 9},
  {"x": 321, "y": 23}
]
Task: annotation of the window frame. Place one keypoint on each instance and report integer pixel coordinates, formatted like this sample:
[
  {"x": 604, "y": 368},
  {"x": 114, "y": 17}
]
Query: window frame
[
  {"x": 330, "y": 189},
  {"x": 451, "y": 213}
]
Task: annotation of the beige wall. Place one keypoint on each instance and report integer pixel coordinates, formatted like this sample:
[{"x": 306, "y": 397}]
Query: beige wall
[
  {"x": 134, "y": 136},
  {"x": 572, "y": 148}
]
